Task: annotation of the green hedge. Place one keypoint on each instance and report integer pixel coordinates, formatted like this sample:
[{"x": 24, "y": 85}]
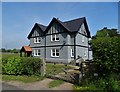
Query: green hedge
[
  {"x": 106, "y": 54},
  {"x": 21, "y": 65}
]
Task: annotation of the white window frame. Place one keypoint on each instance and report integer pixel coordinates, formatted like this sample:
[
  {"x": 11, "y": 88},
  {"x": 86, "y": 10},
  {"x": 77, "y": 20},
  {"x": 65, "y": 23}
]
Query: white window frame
[
  {"x": 85, "y": 53},
  {"x": 55, "y": 53},
  {"x": 83, "y": 38},
  {"x": 36, "y": 51},
  {"x": 54, "y": 36},
  {"x": 72, "y": 53},
  {"x": 37, "y": 40}
]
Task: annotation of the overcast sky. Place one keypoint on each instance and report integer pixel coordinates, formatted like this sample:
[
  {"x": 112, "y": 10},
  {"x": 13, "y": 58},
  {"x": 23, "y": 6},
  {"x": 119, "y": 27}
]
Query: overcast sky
[{"x": 19, "y": 18}]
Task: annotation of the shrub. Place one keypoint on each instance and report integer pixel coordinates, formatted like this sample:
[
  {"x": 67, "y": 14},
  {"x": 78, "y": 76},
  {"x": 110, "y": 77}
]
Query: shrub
[
  {"x": 109, "y": 83},
  {"x": 106, "y": 54},
  {"x": 21, "y": 66}
]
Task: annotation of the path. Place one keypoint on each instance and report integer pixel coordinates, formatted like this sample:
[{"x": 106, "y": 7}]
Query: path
[{"x": 40, "y": 85}]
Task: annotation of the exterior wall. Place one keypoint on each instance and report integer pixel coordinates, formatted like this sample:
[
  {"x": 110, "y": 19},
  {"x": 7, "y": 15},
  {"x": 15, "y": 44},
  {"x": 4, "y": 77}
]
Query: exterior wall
[
  {"x": 81, "y": 51},
  {"x": 64, "y": 39},
  {"x": 90, "y": 55},
  {"x": 42, "y": 52},
  {"x": 83, "y": 46},
  {"x": 63, "y": 56},
  {"x": 65, "y": 51},
  {"x": 37, "y": 33}
]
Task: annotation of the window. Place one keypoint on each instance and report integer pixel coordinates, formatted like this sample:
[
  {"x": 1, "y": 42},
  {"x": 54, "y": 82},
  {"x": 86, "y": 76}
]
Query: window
[
  {"x": 37, "y": 40},
  {"x": 72, "y": 53},
  {"x": 85, "y": 53},
  {"x": 36, "y": 52},
  {"x": 82, "y": 38},
  {"x": 54, "y": 52},
  {"x": 55, "y": 37}
]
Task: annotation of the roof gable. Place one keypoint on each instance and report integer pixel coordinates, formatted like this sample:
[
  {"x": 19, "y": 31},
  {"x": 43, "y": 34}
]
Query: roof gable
[
  {"x": 71, "y": 26},
  {"x": 41, "y": 27},
  {"x": 54, "y": 20}
]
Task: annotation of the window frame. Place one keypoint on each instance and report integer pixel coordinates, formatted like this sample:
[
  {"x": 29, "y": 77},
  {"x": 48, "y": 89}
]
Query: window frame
[
  {"x": 37, "y": 40},
  {"x": 36, "y": 51},
  {"x": 72, "y": 52},
  {"x": 55, "y": 53},
  {"x": 55, "y": 37}
]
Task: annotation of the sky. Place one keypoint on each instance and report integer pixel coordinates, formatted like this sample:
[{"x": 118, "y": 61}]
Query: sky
[{"x": 19, "y": 18}]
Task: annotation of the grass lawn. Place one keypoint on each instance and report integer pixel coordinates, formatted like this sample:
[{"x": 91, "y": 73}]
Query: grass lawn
[
  {"x": 55, "y": 83},
  {"x": 25, "y": 79},
  {"x": 58, "y": 68}
]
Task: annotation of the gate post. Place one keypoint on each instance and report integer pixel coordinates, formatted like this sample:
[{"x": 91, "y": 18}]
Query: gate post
[{"x": 43, "y": 68}]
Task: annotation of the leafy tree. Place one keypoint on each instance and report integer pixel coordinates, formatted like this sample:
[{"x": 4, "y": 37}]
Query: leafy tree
[
  {"x": 106, "y": 51},
  {"x": 106, "y": 33}
]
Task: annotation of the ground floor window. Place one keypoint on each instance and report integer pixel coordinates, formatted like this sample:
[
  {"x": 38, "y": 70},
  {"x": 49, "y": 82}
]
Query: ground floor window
[
  {"x": 37, "y": 52},
  {"x": 72, "y": 52},
  {"x": 55, "y": 52},
  {"x": 85, "y": 53}
]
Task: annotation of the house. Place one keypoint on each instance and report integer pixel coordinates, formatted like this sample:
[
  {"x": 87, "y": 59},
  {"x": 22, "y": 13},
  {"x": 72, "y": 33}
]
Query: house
[{"x": 61, "y": 41}]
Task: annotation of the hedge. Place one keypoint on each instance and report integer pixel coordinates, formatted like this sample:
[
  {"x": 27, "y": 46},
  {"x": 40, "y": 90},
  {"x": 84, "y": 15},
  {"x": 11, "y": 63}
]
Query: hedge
[
  {"x": 21, "y": 65},
  {"x": 106, "y": 54}
]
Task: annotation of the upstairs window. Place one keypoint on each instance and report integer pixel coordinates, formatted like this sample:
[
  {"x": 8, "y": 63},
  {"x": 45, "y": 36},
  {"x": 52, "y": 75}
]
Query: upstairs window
[
  {"x": 37, "y": 52},
  {"x": 55, "y": 37},
  {"x": 72, "y": 52},
  {"x": 54, "y": 52},
  {"x": 83, "y": 38},
  {"x": 37, "y": 40}
]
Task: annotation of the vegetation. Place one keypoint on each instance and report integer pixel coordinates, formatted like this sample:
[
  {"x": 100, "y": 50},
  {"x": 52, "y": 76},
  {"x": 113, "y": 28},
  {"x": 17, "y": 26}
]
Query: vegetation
[
  {"x": 106, "y": 55},
  {"x": 10, "y": 50},
  {"x": 23, "y": 78},
  {"x": 21, "y": 65},
  {"x": 110, "y": 83},
  {"x": 55, "y": 83},
  {"x": 55, "y": 69}
]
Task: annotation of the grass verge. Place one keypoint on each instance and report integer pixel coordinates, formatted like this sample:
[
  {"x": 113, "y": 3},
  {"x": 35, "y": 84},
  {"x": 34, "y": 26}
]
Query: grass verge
[
  {"x": 55, "y": 83},
  {"x": 25, "y": 79}
]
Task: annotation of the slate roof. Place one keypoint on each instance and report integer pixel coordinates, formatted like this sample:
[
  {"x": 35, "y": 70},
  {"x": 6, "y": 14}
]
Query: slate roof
[
  {"x": 42, "y": 26},
  {"x": 75, "y": 24},
  {"x": 70, "y": 26}
]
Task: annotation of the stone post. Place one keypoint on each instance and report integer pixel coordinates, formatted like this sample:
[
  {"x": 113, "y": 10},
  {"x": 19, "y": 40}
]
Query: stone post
[{"x": 43, "y": 67}]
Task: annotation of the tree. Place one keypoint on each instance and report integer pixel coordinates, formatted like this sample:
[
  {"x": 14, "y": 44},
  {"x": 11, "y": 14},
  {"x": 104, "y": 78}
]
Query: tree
[
  {"x": 105, "y": 32},
  {"x": 106, "y": 51}
]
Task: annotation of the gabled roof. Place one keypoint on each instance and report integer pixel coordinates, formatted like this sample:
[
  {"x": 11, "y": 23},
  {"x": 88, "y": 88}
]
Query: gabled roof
[
  {"x": 42, "y": 27},
  {"x": 26, "y": 48},
  {"x": 75, "y": 24},
  {"x": 70, "y": 26}
]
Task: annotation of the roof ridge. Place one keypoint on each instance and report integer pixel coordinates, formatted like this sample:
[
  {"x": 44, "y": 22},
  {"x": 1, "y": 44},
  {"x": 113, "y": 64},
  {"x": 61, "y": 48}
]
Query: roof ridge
[
  {"x": 73, "y": 19},
  {"x": 41, "y": 24}
]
